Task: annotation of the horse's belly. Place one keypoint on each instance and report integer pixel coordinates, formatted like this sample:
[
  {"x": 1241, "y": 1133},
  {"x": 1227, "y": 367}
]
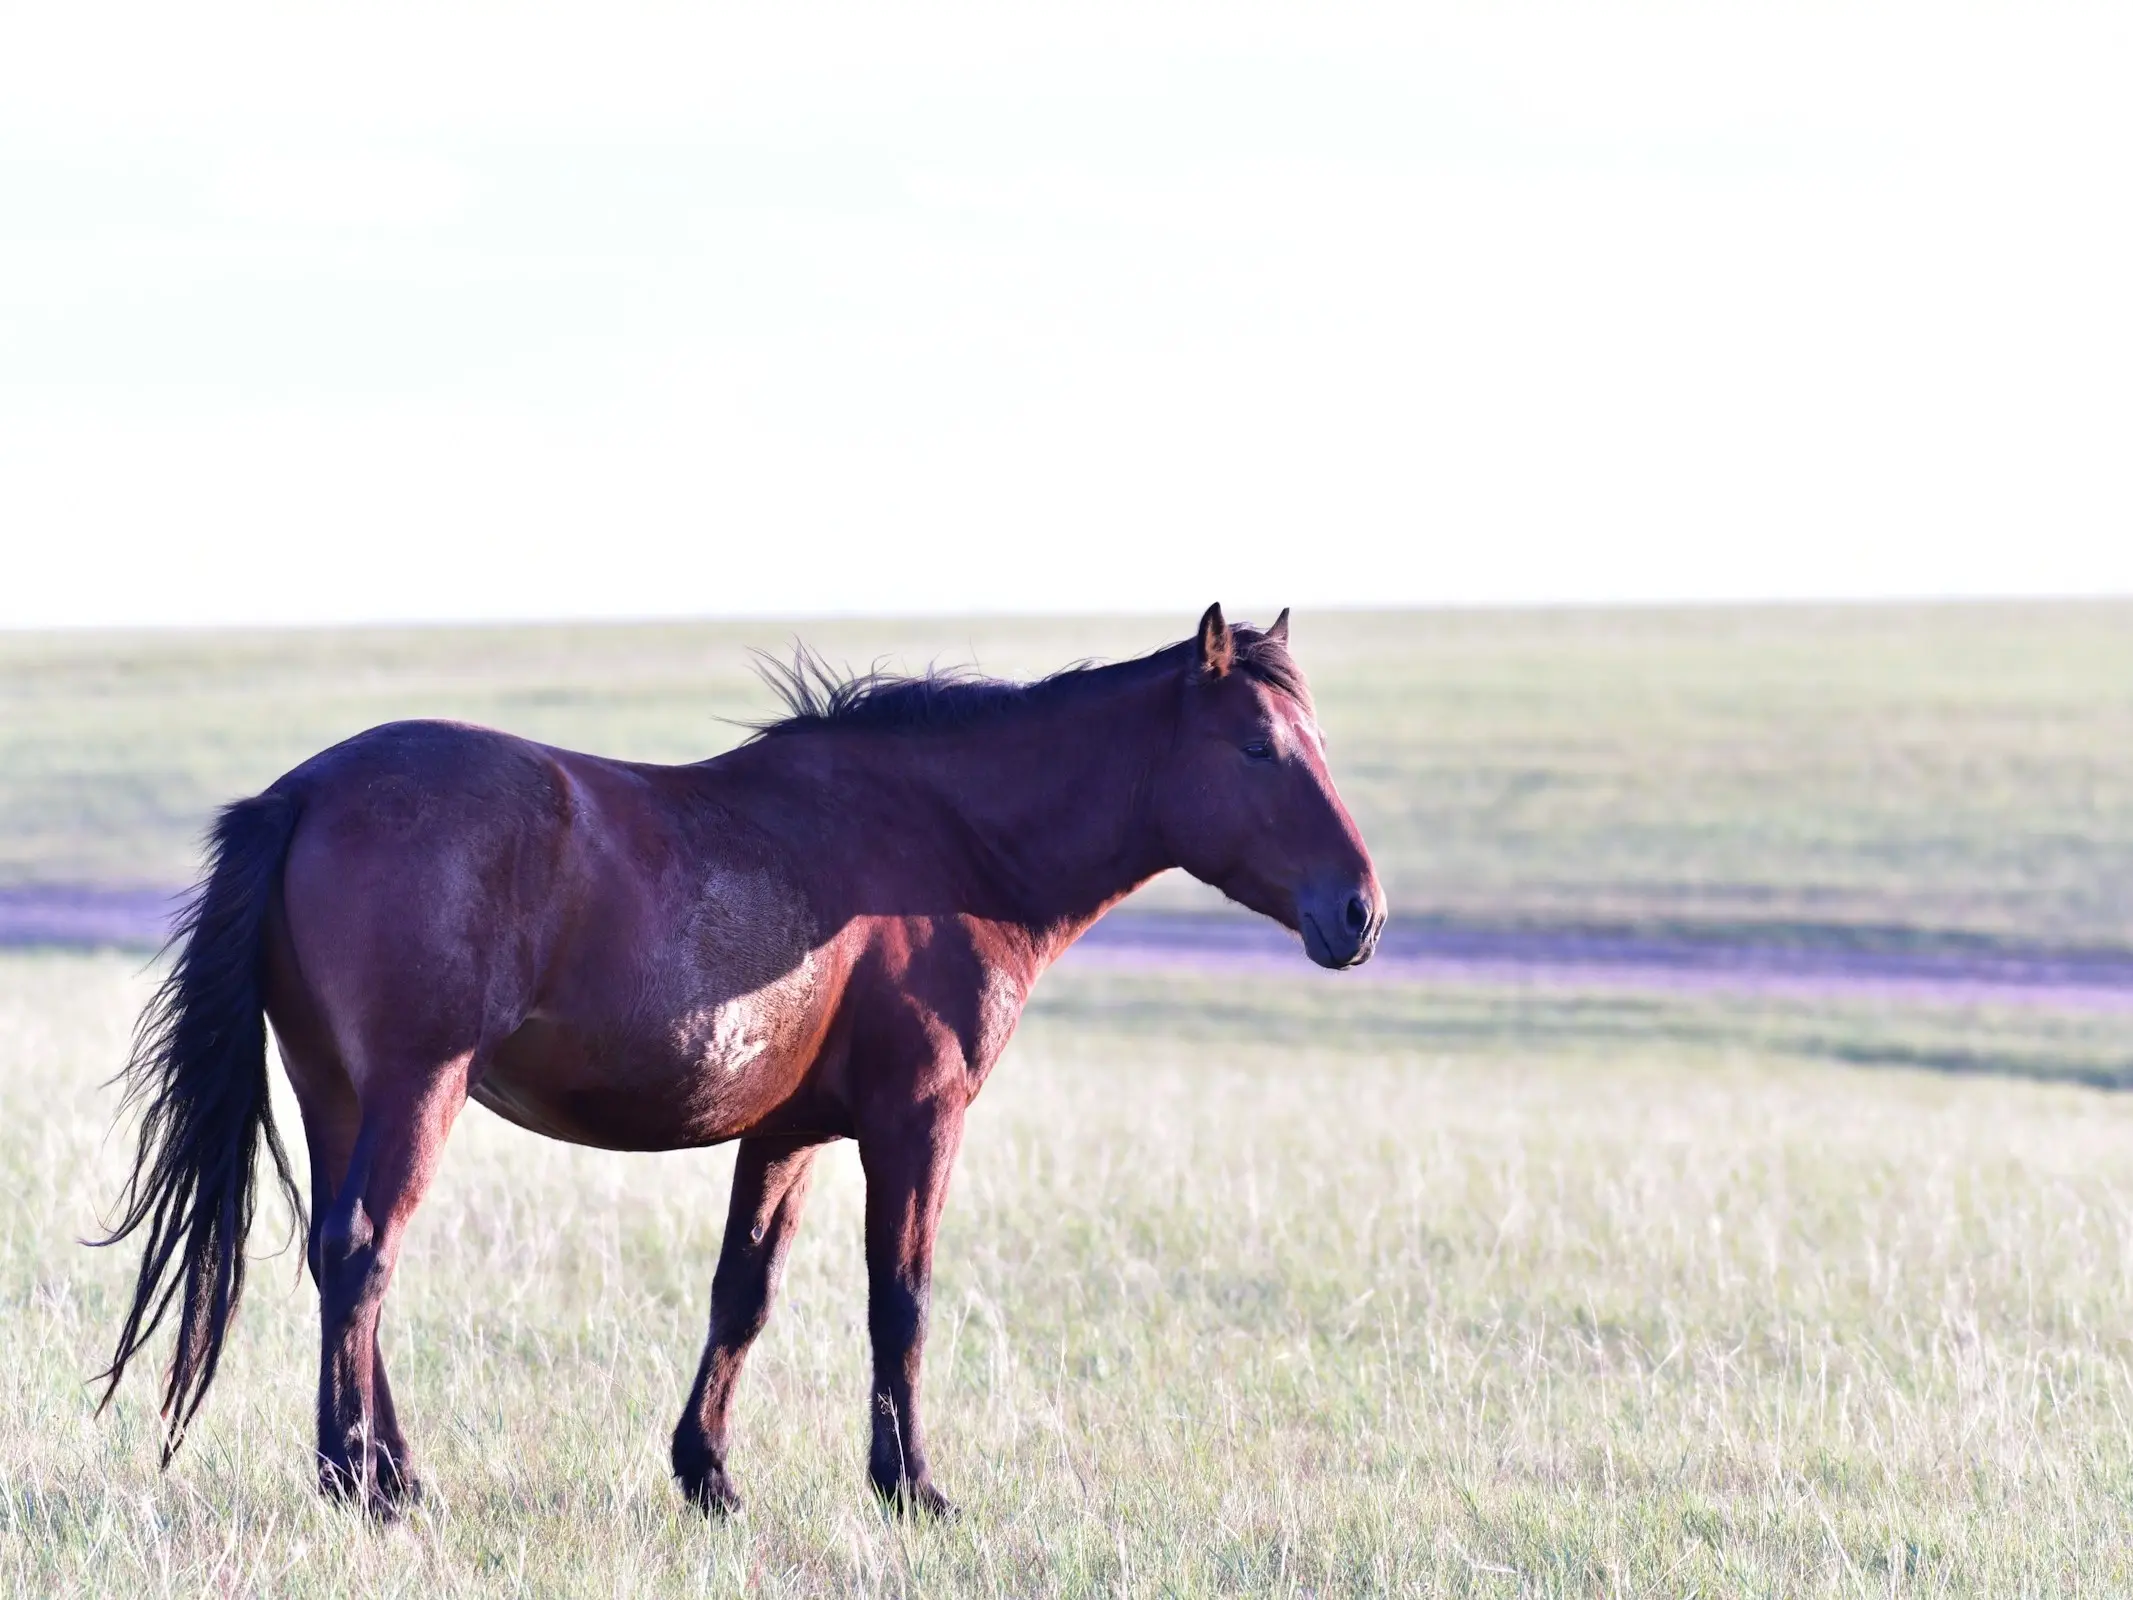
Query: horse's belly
[
  {"x": 712, "y": 1073},
  {"x": 692, "y": 1024}
]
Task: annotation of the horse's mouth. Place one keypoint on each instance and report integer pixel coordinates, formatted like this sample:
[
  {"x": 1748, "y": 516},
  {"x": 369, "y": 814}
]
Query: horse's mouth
[{"x": 1323, "y": 951}]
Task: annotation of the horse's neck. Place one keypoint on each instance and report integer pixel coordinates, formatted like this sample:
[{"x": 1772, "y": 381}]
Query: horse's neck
[{"x": 1056, "y": 802}]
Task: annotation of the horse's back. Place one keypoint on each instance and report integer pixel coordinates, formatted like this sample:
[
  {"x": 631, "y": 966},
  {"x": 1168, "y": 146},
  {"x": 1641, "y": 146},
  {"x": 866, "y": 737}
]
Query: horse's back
[
  {"x": 632, "y": 957},
  {"x": 460, "y": 810}
]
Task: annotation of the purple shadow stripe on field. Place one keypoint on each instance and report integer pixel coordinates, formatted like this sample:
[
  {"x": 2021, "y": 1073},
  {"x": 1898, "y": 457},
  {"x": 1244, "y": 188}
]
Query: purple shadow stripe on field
[
  {"x": 1997, "y": 975},
  {"x": 1237, "y": 946},
  {"x": 75, "y": 917}
]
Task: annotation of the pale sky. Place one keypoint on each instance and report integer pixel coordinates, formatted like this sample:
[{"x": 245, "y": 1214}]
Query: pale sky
[{"x": 396, "y": 312}]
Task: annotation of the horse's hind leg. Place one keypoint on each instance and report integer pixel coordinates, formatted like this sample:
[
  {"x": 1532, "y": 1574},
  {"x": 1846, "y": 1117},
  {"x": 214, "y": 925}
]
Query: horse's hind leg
[
  {"x": 331, "y": 1119},
  {"x": 362, "y": 1453},
  {"x": 769, "y": 1191}
]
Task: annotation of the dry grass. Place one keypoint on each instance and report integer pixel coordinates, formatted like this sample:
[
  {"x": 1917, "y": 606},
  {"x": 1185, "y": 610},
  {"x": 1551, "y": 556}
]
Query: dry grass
[{"x": 1224, "y": 1307}]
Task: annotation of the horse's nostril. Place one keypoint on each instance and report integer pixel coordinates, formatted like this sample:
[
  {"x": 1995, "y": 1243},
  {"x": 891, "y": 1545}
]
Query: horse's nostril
[{"x": 1358, "y": 913}]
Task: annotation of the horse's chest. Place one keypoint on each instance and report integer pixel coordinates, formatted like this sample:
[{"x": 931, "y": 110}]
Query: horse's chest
[{"x": 996, "y": 1008}]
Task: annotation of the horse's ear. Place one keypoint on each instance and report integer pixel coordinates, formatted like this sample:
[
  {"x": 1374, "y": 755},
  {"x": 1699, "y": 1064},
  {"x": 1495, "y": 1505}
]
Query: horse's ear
[
  {"x": 1218, "y": 648},
  {"x": 1279, "y": 633}
]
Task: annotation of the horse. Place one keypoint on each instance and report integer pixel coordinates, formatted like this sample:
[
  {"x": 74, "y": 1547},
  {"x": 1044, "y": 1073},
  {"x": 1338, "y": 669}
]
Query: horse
[{"x": 828, "y": 932}]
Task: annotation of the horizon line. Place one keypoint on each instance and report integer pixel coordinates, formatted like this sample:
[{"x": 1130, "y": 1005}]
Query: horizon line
[{"x": 1715, "y": 603}]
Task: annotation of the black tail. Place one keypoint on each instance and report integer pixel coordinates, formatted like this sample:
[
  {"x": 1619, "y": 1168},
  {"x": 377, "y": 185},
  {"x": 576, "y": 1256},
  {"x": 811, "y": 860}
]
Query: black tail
[{"x": 199, "y": 1069}]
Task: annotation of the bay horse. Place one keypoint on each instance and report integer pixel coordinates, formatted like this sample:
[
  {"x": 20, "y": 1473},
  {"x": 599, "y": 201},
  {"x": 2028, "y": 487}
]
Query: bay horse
[{"x": 826, "y": 933}]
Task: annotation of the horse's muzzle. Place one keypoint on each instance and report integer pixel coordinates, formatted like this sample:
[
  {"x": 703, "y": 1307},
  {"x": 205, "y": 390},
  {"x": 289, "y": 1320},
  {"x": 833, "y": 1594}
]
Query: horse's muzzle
[{"x": 1341, "y": 930}]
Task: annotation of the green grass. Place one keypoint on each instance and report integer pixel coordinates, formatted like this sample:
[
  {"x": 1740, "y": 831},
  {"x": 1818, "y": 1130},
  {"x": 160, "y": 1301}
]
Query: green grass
[
  {"x": 1963, "y": 768},
  {"x": 1323, "y": 1289}
]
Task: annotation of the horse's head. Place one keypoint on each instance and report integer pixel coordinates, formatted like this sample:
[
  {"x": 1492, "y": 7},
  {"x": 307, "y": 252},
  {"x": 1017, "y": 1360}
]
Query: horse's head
[{"x": 1245, "y": 802}]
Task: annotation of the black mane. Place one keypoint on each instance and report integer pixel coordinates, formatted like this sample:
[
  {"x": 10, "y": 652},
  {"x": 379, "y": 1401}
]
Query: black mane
[{"x": 816, "y": 696}]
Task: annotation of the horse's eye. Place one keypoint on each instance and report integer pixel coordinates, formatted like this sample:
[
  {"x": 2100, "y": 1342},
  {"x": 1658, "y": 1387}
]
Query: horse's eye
[{"x": 1259, "y": 750}]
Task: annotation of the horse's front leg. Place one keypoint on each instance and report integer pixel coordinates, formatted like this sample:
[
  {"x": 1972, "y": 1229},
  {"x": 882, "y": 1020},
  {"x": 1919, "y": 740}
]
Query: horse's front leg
[
  {"x": 769, "y": 1191},
  {"x": 907, "y": 1161}
]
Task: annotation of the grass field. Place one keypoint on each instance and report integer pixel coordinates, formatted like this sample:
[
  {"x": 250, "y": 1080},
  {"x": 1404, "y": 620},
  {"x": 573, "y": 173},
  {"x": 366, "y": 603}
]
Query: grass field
[
  {"x": 1493, "y": 1296},
  {"x": 1390, "y": 1289},
  {"x": 1957, "y": 768}
]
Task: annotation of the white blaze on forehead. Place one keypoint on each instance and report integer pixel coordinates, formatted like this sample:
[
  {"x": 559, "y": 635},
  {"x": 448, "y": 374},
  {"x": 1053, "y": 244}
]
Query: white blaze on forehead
[{"x": 1300, "y": 719}]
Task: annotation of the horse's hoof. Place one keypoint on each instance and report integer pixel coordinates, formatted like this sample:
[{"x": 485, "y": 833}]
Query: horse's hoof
[
  {"x": 909, "y": 1497},
  {"x": 711, "y": 1491},
  {"x": 393, "y": 1483},
  {"x": 384, "y": 1492}
]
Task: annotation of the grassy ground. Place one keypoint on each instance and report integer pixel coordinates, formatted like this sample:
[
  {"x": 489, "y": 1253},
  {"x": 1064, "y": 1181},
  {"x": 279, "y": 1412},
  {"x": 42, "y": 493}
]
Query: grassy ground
[
  {"x": 1280, "y": 1287},
  {"x": 1329, "y": 1290},
  {"x": 1927, "y": 768}
]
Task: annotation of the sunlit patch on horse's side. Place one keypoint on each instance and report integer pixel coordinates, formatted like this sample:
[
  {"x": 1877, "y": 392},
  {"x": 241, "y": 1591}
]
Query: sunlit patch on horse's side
[{"x": 719, "y": 1038}]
